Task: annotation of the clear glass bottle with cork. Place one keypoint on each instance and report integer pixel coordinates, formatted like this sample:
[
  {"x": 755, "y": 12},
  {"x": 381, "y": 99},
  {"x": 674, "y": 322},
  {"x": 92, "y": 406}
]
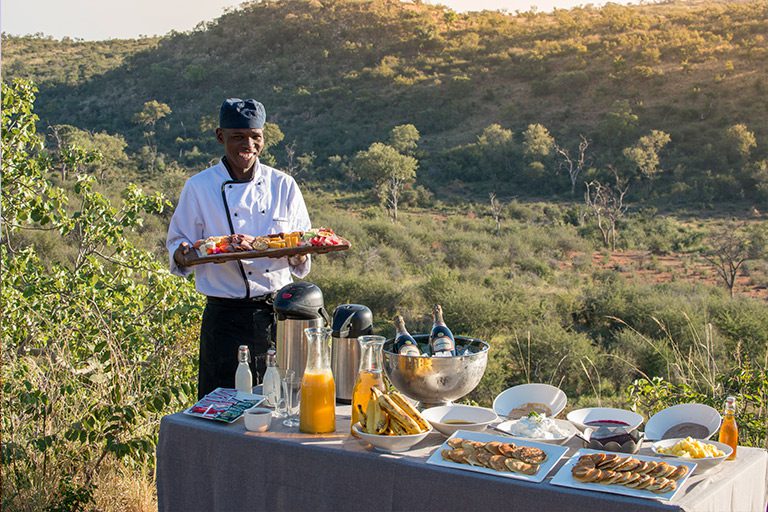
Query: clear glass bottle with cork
[{"x": 243, "y": 375}]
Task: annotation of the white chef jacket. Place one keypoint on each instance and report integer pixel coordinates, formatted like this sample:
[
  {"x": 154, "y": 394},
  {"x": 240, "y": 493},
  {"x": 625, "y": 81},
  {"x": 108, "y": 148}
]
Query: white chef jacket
[{"x": 212, "y": 204}]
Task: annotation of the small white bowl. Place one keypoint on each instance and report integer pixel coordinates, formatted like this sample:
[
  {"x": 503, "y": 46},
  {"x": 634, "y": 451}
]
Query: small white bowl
[
  {"x": 699, "y": 414},
  {"x": 581, "y": 417},
  {"x": 517, "y": 396},
  {"x": 390, "y": 443},
  {"x": 447, "y": 419},
  {"x": 563, "y": 424},
  {"x": 702, "y": 465},
  {"x": 257, "y": 419}
]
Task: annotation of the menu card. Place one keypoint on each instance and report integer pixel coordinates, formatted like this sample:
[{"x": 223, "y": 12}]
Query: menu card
[{"x": 224, "y": 404}]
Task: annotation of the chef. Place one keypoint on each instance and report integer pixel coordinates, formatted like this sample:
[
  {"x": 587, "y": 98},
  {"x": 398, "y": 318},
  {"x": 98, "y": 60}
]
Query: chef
[{"x": 237, "y": 195}]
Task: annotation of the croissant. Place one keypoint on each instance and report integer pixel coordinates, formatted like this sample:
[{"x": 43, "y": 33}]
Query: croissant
[{"x": 611, "y": 469}]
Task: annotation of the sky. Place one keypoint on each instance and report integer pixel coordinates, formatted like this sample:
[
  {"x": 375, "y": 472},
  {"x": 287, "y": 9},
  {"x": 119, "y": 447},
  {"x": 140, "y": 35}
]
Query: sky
[{"x": 118, "y": 19}]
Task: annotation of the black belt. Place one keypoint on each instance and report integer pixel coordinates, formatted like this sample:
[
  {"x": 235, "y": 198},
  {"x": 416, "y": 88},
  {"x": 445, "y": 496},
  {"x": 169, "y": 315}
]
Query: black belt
[{"x": 260, "y": 302}]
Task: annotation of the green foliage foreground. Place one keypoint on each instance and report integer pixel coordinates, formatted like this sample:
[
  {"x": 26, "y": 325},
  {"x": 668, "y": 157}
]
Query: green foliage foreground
[
  {"x": 93, "y": 347},
  {"x": 99, "y": 340}
]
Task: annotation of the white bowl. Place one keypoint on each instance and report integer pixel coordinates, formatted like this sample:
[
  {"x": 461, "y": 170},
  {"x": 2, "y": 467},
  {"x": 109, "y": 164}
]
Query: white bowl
[
  {"x": 466, "y": 417},
  {"x": 563, "y": 424},
  {"x": 390, "y": 443},
  {"x": 698, "y": 414},
  {"x": 517, "y": 396},
  {"x": 257, "y": 419},
  {"x": 581, "y": 418},
  {"x": 702, "y": 465}
]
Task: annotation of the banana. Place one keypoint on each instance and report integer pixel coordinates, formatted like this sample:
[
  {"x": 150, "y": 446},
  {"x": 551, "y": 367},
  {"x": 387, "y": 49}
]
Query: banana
[
  {"x": 370, "y": 416},
  {"x": 362, "y": 417},
  {"x": 376, "y": 419},
  {"x": 410, "y": 410},
  {"x": 398, "y": 415}
]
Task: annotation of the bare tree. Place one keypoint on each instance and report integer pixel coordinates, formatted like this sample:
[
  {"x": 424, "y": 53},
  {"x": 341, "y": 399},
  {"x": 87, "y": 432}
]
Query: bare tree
[
  {"x": 574, "y": 165},
  {"x": 730, "y": 249},
  {"x": 607, "y": 204},
  {"x": 496, "y": 210}
]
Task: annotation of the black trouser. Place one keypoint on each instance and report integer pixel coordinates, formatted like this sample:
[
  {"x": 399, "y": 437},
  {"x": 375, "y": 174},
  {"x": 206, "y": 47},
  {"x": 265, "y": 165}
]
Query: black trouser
[{"x": 227, "y": 324}]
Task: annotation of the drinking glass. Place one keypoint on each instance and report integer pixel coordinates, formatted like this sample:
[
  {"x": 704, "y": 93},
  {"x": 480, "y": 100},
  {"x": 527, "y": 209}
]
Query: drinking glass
[{"x": 291, "y": 395}]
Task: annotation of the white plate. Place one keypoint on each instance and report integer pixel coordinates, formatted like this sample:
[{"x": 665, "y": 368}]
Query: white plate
[
  {"x": 580, "y": 417},
  {"x": 478, "y": 417},
  {"x": 389, "y": 444},
  {"x": 700, "y": 414},
  {"x": 702, "y": 465},
  {"x": 566, "y": 425},
  {"x": 517, "y": 396},
  {"x": 564, "y": 478},
  {"x": 554, "y": 454}
]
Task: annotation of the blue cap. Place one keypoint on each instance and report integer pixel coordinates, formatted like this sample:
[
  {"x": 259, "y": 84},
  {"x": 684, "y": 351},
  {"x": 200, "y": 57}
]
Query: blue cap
[{"x": 237, "y": 113}]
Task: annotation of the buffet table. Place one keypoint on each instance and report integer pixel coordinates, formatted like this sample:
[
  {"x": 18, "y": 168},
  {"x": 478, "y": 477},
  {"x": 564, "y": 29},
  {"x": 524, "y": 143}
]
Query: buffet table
[{"x": 211, "y": 466}]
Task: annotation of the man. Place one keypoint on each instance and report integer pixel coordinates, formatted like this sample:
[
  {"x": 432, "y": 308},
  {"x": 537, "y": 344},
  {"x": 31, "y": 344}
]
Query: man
[{"x": 237, "y": 195}]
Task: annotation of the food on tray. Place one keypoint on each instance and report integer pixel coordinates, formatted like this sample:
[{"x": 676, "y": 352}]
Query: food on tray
[
  {"x": 495, "y": 455},
  {"x": 536, "y": 426},
  {"x": 528, "y": 408},
  {"x": 239, "y": 242},
  {"x": 390, "y": 414},
  {"x": 611, "y": 469},
  {"x": 231, "y": 243},
  {"x": 690, "y": 448}
]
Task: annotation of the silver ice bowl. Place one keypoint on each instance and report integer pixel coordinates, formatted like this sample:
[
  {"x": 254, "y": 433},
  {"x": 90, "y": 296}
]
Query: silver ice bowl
[{"x": 437, "y": 380}]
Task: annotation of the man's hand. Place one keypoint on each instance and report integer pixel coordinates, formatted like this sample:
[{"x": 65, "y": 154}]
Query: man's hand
[
  {"x": 297, "y": 259},
  {"x": 180, "y": 254}
]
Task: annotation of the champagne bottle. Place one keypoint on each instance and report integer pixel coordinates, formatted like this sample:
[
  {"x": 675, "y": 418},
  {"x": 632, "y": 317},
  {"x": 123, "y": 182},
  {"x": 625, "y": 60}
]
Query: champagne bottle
[
  {"x": 441, "y": 340},
  {"x": 243, "y": 375},
  {"x": 405, "y": 344}
]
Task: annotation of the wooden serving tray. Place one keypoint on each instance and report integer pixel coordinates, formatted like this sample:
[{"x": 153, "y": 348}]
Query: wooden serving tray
[{"x": 197, "y": 259}]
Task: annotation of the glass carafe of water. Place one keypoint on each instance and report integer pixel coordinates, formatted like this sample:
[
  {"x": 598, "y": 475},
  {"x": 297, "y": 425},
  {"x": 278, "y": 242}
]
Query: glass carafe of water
[{"x": 317, "y": 409}]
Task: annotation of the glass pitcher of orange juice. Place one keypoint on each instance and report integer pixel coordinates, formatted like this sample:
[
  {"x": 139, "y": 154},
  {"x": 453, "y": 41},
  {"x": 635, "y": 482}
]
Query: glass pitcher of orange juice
[
  {"x": 317, "y": 409},
  {"x": 369, "y": 375}
]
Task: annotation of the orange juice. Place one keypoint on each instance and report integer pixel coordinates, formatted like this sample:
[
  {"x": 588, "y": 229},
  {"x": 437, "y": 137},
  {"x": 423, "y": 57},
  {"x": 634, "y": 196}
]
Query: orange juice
[
  {"x": 362, "y": 392},
  {"x": 317, "y": 409},
  {"x": 729, "y": 432}
]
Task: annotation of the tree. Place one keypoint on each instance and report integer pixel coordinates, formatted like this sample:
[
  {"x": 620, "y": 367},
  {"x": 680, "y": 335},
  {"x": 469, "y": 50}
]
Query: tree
[
  {"x": 496, "y": 210},
  {"x": 607, "y": 205},
  {"x": 495, "y": 136},
  {"x": 573, "y": 165},
  {"x": 730, "y": 248},
  {"x": 740, "y": 142},
  {"x": 389, "y": 171},
  {"x": 404, "y": 138},
  {"x": 148, "y": 116},
  {"x": 537, "y": 141},
  {"x": 273, "y": 136},
  {"x": 645, "y": 153}
]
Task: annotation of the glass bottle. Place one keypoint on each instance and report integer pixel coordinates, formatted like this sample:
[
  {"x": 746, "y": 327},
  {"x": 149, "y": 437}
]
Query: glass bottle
[
  {"x": 369, "y": 375},
  {"x": 317, "y": 408},
  {"x": 271, "y": 382},
  {"x": 441, "y": 340},
  {"x": 405, "y": 344},
  {"x": 729, "y": 432},
  {"x": 243, "y": 375}
]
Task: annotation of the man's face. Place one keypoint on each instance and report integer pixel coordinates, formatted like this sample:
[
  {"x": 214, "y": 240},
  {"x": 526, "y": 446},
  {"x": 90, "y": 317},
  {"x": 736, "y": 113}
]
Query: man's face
[{"x": 241, "y": 145}]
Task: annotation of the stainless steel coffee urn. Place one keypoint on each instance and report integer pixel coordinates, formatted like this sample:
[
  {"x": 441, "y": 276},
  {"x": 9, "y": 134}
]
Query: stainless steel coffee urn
[
  {"x": 349, "y": 322},
  {"x": 297, "y": 306}
]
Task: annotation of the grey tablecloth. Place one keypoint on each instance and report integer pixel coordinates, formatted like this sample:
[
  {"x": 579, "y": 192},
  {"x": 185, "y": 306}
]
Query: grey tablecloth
[{"x": 208, "y": 466}]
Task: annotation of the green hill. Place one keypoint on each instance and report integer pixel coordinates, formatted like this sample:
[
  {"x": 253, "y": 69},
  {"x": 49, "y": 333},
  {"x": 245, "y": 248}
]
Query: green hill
[{"x": 337, "y": 75}]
